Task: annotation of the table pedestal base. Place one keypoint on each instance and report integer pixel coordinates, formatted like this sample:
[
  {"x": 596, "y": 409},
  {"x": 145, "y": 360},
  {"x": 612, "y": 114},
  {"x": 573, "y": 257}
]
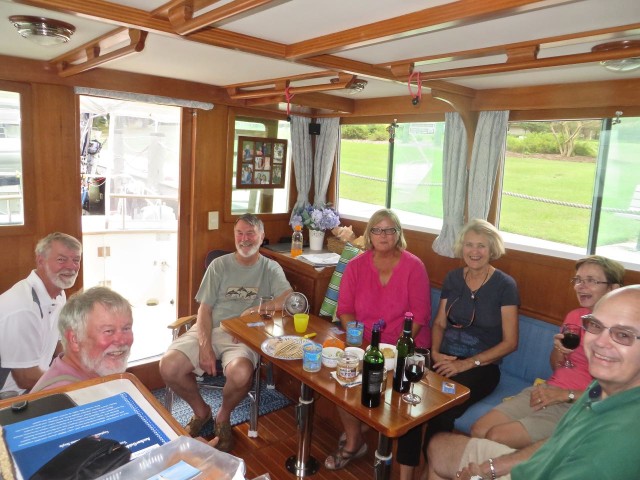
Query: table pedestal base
[{"x": 302, "y": 469}]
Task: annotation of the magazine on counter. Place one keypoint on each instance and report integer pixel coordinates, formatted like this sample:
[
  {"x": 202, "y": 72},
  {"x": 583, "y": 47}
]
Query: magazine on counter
[{"x": 35, "y": 441}]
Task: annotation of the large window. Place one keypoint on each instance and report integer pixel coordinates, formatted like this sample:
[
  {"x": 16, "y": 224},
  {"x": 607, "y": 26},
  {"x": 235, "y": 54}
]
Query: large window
[
  {"x": 411, "y": 164},
  {"x": 11, "y": 181},
  {"x": 567, "y": 188},
  {"x": 574, "y": 187}
]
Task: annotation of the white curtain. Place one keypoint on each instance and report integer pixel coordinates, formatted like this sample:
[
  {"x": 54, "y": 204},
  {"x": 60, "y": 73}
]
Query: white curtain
[
  {"x": 454, "y": 183},
  {"x": 326, "y": 145},
  {"x": 488, "y": 150},
  {"x": 302, "y": 161}
]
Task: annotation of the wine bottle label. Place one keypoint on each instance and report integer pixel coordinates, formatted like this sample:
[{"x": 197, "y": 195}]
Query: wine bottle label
[{"x": 375, "y": 381}]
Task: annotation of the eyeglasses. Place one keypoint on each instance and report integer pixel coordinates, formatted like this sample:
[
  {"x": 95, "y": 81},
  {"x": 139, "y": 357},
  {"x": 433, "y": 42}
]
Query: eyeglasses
[
  {"x": 460, "y": 325},
  {"x": 618, "y": 334},
  {"x": 587, "y": 281},
  {"x": 386, "y": 231}
]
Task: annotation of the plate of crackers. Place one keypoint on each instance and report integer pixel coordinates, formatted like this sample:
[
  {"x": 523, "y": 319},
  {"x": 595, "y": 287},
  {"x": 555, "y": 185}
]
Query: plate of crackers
[{"x": 287, "y": 347}]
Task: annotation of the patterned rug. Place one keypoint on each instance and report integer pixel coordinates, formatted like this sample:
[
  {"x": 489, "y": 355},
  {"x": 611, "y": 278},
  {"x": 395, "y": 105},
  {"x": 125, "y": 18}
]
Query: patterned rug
[{"x": 270, "y": 401}]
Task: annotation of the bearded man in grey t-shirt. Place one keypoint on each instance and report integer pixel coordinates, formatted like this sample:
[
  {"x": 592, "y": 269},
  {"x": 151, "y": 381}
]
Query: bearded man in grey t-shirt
[{"x": 231, "y": 287}]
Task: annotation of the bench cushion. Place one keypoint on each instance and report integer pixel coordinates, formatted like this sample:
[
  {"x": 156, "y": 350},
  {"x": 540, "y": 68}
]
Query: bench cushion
[{"x": 330, "y": 302}]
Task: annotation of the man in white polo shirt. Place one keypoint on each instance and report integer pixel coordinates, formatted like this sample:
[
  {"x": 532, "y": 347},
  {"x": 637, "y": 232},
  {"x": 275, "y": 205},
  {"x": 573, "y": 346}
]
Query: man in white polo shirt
[{"x": 29, "y": 313}]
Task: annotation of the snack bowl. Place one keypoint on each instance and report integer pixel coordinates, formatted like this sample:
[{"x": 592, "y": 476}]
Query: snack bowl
[
  {"x": 390, "y": 352},
  {"x": 331, "y": 355}
]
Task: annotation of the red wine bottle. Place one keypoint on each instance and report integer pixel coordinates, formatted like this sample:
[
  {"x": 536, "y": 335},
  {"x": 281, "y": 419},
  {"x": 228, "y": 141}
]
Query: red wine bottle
[
  {"x": 372, "y": 372},
  {"x": 405, "y": 347}
]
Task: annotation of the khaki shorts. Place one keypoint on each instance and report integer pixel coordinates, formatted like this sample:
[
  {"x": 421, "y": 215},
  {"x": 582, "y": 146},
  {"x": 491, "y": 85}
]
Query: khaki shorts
[
  {"x": 224, "y": 347},
  {"x": 538, "y": 424},
  {"x": 480, "y": 450}
]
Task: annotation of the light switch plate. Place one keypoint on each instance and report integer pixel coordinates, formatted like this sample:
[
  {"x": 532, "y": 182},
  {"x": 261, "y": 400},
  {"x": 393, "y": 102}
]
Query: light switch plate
[{"x": 213, "y": 221}]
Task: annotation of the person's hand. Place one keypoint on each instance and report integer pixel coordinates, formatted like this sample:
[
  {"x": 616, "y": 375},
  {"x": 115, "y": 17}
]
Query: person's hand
[
  {"x": 469, "y": 471},
  {"x": 207, "y": 360},
  {"x": 438, "y": 358},
  {"x": 557, "y": 344},
  {"x": 451, "y": 366},
  {"x": 544, "y": 395}
]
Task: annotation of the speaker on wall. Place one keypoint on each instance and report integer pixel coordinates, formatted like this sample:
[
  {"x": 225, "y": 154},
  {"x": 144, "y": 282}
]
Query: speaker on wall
[{"x": 314, "y": 129}]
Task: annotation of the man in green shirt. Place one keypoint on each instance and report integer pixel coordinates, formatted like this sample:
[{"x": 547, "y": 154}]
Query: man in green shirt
[
  {"x": 231, "y": 287},
  {"x": 596, "y": 438}
]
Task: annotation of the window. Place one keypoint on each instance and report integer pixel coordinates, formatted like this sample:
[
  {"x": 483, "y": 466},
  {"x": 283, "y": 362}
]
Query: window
[
  {"x": 259, "y": 200},
  {"x": 573, "y": 187},
  {"x": 11, "y": 179},
  {"x": 415, "y": 157}
]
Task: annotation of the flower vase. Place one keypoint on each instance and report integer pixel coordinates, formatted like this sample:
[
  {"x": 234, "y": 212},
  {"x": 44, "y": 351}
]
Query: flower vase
[{"x": 316, "y": 239}]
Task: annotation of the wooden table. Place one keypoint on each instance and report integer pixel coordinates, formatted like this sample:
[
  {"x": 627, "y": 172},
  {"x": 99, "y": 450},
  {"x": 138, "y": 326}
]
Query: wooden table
[{"x": 391, "y": 419}]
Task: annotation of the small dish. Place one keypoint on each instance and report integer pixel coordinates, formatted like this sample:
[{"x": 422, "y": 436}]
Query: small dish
[
  {"x": 389, "y": 361},
  {"x": 357, "y": 351},
  {"x": 330, "y": 356}
]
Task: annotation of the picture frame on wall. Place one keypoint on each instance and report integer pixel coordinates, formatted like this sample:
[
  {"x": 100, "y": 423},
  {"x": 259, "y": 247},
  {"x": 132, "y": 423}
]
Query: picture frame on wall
[{"x": 261, "y": 162}]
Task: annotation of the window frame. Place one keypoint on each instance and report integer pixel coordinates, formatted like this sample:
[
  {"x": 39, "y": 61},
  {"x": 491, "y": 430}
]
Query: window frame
[{"x": 28, "y": 160}]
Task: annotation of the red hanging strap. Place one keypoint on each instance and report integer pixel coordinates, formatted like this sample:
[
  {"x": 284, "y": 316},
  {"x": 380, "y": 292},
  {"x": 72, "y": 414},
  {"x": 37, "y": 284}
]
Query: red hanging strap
[
  {"x": 288, "y": 97},
  {"x": 418, "y": 96}
]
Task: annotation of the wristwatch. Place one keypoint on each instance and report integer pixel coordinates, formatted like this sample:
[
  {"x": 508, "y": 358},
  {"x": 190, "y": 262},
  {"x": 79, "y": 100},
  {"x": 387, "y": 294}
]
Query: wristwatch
[
  {"x": 572, "y": 396},
  {"x": 476, "y": 362}
]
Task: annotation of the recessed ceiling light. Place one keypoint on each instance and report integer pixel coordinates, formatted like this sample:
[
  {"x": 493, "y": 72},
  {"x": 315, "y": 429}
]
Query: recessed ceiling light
[
  {"x": 43, "y": 31},
  {"x": 619, "y": 64}
]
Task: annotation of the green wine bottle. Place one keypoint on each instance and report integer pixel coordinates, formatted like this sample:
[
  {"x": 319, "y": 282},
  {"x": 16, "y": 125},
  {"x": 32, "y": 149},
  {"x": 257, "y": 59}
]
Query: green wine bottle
[
  {"x": 372, "y": 371},
  {"x": 405, "y": 348}
]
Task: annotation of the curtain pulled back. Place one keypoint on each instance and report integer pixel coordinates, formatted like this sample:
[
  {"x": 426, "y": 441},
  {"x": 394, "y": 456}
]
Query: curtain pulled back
[
  {"x": 302, "y": 160},
  {"x": 488, "y": 150},
  {"x": 454, "y": 183},
  {"x": 326, "y": 145}
]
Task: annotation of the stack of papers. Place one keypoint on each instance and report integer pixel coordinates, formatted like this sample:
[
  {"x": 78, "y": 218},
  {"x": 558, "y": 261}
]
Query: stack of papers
[{"x": 321, "y": 259}]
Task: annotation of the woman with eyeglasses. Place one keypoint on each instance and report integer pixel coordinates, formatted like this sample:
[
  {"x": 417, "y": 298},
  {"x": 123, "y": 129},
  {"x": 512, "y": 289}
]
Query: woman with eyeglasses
[
  {"x": 384, "y": 282},
  {"x": 533, "y": 414},
  {"x": 476, "y": 325}
]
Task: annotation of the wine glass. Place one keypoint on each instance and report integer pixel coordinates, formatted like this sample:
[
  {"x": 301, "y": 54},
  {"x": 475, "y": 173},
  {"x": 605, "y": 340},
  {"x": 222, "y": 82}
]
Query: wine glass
[
  {"x": 570, "y": 340},
  {"x": 267, "y": 307},
  {"x": 414, "y": 366}
]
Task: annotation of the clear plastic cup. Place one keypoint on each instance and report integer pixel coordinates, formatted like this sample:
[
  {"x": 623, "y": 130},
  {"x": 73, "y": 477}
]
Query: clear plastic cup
[
  {"x": 355, "y": 330},
  {"x": 311, "y": 357}
]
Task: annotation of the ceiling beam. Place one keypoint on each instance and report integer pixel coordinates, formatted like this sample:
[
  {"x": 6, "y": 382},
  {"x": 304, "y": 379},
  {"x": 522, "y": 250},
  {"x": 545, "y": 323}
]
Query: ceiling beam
[
  {"x": 185, "y": 24},
  {"x": 97, "y": 52},
  {"x": 554, "y": 41},
  {"x": 529, "y": 64},
  {"x": 431, "y": 19}
]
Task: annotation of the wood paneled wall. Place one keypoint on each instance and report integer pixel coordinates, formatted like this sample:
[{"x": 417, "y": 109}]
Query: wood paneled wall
[{"x": 52, "y": 180}]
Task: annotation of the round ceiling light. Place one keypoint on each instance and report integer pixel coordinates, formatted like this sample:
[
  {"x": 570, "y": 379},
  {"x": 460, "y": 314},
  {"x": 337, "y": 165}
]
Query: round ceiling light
[
  {"x": 43, "y": 31},
  {"x": 619, "y": 64}
]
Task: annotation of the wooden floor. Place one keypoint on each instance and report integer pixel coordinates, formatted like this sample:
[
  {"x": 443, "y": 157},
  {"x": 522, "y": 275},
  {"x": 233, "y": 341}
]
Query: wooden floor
[{"x": 277, "y": 441}]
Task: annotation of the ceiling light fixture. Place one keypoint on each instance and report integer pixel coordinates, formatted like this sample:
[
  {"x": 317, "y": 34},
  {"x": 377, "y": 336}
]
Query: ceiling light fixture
[
  {"x": 619, "y": 64},
  {"x": 356, "y": 86},
  {"x": 43, "y": 31}
]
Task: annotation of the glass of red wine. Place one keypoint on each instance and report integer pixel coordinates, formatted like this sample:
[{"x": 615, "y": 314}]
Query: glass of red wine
[
  {"x": 414, "y": 367},
  {"x": 570, "y": 340}
]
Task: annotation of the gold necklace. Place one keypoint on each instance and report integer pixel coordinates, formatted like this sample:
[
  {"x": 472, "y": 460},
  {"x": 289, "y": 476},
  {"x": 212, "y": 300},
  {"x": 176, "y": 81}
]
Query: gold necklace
[{"x": 473, "y": 292}]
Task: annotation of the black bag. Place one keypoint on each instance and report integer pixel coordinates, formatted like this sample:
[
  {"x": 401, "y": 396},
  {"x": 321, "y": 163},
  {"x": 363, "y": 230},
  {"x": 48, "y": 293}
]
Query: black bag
[{"x": 86, "y": 459}]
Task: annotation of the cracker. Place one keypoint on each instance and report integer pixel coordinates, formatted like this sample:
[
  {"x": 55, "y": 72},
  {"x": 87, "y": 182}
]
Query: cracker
[{"x": 291, "y": 349}]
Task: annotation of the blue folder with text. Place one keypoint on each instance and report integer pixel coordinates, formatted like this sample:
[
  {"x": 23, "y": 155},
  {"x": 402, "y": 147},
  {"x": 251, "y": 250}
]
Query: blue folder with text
[{"x": 35, "y": 441}]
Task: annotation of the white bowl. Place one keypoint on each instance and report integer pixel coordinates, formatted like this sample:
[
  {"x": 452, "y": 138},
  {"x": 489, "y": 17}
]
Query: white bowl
[
  {"x": 330, "y": 356},
  {"x": 390, "y": 363},
  {"x": 357, "y": 351}
]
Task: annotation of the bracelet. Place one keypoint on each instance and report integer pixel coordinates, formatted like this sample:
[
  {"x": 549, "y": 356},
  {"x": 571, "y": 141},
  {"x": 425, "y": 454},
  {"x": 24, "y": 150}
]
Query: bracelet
[{"x": 492, "y": 468}]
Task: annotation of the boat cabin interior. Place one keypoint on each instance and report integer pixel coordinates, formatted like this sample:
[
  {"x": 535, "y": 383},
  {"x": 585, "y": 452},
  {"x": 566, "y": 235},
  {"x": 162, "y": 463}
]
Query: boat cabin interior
[{"x": 206, "y": 78}]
